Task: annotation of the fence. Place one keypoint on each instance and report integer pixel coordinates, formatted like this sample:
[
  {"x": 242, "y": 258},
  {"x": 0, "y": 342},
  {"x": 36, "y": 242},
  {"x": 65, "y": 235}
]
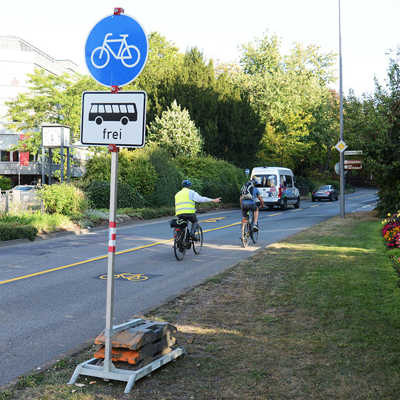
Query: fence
[{"x": 18, "y": 200}]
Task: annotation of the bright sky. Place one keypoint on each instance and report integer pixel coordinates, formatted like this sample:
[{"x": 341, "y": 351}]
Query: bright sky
[{"x": 218, "y": 27}]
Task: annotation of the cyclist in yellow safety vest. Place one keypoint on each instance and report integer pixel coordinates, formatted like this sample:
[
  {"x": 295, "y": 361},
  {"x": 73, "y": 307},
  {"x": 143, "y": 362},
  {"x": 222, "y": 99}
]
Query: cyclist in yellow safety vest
[{"x": 185, "y": 204}]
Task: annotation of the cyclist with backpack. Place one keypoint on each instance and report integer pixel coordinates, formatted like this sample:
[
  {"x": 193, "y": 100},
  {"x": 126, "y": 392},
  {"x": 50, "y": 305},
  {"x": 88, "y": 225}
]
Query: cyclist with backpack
[
  {"x": 250, "y": 199},
  {"x": 185, "y": 204}
]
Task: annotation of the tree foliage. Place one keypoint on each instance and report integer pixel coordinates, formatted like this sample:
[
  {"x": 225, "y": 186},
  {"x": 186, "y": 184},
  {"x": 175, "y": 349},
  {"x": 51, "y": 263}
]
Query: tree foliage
[{"x": 175, "y": 132}]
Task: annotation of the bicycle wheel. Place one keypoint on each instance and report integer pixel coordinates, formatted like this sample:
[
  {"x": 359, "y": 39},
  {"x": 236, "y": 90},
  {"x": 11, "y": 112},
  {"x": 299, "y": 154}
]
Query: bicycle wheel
[
  {"x": 100, "y": 57},
  {"x": 252, "y": 232},
  {"x": 130, "y": 53},
  {"x": 198, "y": 243},
  {"x": 245, "y": 235},
  {"x": 179, "y": 246}
]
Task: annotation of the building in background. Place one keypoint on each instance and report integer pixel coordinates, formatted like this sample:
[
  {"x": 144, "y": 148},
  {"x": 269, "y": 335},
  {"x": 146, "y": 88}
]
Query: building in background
[{"x": 17, "y": 59}]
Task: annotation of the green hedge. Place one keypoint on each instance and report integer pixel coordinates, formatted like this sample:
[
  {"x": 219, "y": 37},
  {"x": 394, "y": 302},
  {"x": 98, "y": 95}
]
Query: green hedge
[
  {"x": 64, "y": 199},
  {"x": 98, "y": 194},
  {"x": 214, "y": 178},
  {"x": 10, "y": 231},
  {"x": 5, "y": 183},
  {"x": 150, "y": 178}
]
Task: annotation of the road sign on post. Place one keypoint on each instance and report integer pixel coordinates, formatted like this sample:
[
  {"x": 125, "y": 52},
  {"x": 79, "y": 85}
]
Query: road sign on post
[
  {"x": 116, "y": 50},
  {"x": 113, "y": 118},
  {"x": 352, "y": 164}
]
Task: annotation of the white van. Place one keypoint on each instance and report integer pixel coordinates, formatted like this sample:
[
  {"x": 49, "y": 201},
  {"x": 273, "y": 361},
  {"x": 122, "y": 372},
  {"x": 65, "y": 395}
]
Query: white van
[{"x": 276, "y": 186}]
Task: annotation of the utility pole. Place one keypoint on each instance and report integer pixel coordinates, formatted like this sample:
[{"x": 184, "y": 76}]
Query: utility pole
[{"x": 341, "y": 161}]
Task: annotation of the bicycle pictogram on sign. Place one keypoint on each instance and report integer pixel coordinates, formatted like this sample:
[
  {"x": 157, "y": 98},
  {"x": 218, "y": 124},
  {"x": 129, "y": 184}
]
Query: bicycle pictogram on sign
[
  {"x": 116, "y": 50},
  {"x": 128, "y": 54}
]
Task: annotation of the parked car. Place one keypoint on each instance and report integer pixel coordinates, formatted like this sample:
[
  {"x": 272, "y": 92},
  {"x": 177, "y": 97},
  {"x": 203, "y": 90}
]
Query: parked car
[{"x": 327, "y": 192}]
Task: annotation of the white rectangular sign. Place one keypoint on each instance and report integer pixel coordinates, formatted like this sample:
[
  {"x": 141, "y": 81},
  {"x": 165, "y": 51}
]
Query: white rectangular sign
[
  {"x": 113, "y": 118},
  {"x": 55, "y": 135}
]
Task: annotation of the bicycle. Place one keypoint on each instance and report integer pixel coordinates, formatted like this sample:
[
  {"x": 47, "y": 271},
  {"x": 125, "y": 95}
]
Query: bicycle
[
  {"x": 248, "y": 231},
  {"x": 126, "y": 52},
  {"x": 183, "y": 240}
]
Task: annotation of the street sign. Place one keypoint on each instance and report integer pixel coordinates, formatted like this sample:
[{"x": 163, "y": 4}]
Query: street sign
[
  {"x": 352, "y": 164},
  {"x": 353, "y": 152},
  {"x": 337, "y": 168},
  {"x": 54, "y": 135},
  {"x": 116, "y": 50},
  {"x": 341, "y": 146},
  {"x": 113, "y": 118},
  {"x": 247, "y": 171}
]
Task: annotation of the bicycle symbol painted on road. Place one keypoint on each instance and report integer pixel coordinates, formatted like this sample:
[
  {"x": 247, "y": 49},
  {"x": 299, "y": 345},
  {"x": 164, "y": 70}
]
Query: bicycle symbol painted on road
[
  {"x": 128, "y": 276},
  {"x": 127, "y": 53}
]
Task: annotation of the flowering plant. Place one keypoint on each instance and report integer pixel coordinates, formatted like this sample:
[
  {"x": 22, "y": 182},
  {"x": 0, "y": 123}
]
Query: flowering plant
[{"x": 391, "y": 230}]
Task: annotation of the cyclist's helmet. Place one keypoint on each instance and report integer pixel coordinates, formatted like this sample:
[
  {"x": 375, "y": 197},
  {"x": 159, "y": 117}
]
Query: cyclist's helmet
[{"x": 186, "y": 183}]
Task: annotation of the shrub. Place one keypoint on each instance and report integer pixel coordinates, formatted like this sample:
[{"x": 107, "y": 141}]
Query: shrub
[
  {"x": 63, "y": 198},
  {"x": 176, "y": 132},
  {"x": 169, "y": 178},
  {"x": 218, "y": 178},
  {"x": 5, "y": 183},
  {"x": 98, "y": 194},
  {"x": 13, "y": 231},
  {"x": 134, "y": 169}
]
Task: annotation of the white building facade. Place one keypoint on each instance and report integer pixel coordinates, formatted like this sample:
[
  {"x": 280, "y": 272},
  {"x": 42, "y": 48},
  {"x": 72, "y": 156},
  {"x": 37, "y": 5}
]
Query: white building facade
[{"x": 17, "y": 59}]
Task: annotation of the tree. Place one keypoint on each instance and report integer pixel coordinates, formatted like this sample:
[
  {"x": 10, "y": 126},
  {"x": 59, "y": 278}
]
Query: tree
[
  {"x": 175, "y": 132},
  {"x": 287, "y": 93}
]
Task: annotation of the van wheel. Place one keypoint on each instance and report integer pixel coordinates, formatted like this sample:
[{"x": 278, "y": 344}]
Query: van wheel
[
  {"x": 284, "y": 205},
  {"x": 297, "y": 204}
]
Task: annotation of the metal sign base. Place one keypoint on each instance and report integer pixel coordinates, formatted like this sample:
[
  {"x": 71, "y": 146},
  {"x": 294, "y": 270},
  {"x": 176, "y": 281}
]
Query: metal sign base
[{"x": 89, "y": 368}]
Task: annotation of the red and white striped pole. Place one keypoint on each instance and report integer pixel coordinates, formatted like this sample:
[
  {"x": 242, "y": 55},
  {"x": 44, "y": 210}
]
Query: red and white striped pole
[{"x": 112, "y": 238}]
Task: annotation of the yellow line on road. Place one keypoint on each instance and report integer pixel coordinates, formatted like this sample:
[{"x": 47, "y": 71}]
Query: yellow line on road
[
  {"x": 273, "y": 215},
  {"x": 18, "y": 278}
]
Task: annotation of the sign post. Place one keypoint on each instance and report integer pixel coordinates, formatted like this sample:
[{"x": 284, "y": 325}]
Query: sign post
[{"x": 116, "y": 52}]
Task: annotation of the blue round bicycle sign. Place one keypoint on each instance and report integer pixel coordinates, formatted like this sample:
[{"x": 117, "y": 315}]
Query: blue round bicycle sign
[{"x": 116, "y": 50}]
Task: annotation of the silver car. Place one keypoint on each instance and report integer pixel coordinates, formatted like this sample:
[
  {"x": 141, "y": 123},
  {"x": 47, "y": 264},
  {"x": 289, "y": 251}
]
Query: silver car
[{"x": 326, "y": 192}]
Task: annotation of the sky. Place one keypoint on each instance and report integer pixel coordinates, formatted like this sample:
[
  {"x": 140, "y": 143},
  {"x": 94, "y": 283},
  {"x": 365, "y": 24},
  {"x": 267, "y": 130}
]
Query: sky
[{"x": 218, "y": 28}]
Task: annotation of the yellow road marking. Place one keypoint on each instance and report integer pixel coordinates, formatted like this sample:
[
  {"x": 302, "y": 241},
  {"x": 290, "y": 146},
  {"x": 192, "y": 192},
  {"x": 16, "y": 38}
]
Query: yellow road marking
[
  {"x": 212, "y": 219},
  {"x": 18, "y": 278},
  {"x": 273, "y": 215}
]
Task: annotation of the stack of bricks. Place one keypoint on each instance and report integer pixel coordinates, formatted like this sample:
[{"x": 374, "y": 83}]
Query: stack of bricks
[{"x": 144, "y": 341}]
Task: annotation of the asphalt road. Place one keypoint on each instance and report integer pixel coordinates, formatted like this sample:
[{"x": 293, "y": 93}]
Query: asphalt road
[{"x": 53, "y": 298}]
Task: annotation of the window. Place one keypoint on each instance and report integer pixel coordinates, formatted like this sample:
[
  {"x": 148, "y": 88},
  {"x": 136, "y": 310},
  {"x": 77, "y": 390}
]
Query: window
[
  {"x": 93, "y": 108},
  {"x": 115, "y": 108},
  {"x": 131, "y": 108},
  {"x": 108, "y": 108},
  {"x": 4, "y": 156},
  {"x": 289, "y": 181},
  {"x": 123, "y": 108},
  {"x": 101, "y": 108},
  {"x": 265, "y": 180},
  {"x": 15, "y": 156}
]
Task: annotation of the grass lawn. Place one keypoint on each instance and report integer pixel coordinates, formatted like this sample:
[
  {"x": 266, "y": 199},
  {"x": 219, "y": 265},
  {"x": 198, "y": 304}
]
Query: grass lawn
[{"x": 316, "y": 316}]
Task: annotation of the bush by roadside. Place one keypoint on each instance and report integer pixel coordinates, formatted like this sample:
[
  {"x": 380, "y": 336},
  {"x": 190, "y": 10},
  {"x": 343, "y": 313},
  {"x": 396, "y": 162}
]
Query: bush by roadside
[{"x": 14, "y": 231}]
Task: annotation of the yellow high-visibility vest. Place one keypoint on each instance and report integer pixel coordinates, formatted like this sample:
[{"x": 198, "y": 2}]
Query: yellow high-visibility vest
[{"x": 183, "y": 204}]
